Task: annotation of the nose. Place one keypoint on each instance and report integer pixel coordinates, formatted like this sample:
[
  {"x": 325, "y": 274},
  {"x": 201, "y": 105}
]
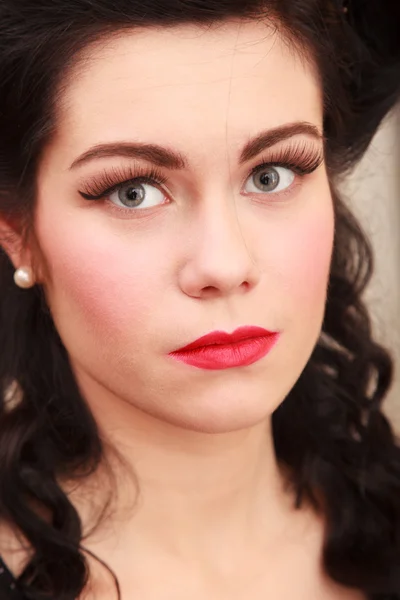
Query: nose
[{"x": 217, "y": 258}]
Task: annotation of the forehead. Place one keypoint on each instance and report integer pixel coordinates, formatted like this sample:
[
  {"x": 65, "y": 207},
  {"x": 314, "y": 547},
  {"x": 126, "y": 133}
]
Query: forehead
[{"x": 188, "y": 84}]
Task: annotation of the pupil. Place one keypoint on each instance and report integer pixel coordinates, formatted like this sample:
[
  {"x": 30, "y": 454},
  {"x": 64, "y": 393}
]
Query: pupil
[
  {"x": 132, "y": 195},
  {"x": 270, "y": 179}
]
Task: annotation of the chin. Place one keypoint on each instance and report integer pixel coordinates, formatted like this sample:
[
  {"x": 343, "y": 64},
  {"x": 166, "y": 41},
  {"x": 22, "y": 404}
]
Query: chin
[{"x": 220, "y": 417}]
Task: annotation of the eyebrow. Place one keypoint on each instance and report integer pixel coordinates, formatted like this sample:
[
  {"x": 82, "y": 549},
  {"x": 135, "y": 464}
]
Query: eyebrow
[{"x": 170, "y": 159}]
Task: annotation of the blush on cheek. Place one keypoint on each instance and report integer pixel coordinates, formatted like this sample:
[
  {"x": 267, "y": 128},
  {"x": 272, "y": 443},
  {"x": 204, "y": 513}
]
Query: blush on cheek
[
  {"x": 310, "y": 259},
  {"x": 106, "y": 294},
  {"x": 92, "y": 288}
]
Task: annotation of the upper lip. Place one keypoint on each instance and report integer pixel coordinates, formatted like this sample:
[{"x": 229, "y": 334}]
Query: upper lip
[{"x": 221, "y": 337}]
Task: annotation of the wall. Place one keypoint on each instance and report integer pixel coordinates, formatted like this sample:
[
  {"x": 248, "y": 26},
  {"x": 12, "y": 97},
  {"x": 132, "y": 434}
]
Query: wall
[{"x": 374, "y": 195}]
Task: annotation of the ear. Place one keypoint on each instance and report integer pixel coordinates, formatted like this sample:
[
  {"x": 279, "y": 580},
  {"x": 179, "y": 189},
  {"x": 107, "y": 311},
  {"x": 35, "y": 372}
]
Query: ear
[{"x": 12, "y": 243}]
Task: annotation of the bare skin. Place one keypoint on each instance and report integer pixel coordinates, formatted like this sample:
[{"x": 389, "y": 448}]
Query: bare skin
[
  {"x": 290, "y": 566},
  {"x": 214, "y": 518}
]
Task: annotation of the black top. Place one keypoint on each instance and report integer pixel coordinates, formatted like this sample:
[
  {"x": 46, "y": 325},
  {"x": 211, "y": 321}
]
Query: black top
[{"x": 8, "y": 585}]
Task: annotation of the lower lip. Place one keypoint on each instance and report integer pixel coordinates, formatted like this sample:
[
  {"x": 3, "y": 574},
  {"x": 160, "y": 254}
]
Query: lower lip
[{"x": 225, "y": 356}]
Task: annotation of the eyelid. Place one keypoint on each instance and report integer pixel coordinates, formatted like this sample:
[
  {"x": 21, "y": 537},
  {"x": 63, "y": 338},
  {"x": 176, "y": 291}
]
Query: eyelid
[
  {"x": 96, "y": 187},
  {"x": 311, "y": 156},
  {"x": 302, "y": 158}
]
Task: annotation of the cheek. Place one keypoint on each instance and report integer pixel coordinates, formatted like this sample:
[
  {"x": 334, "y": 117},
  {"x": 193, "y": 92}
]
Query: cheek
[
  {"x": 308, "y": 268},
  {"x": 299, "y": 257},
  {"x": 302, "y": 275},
  {"x": 97, "y": 279}
]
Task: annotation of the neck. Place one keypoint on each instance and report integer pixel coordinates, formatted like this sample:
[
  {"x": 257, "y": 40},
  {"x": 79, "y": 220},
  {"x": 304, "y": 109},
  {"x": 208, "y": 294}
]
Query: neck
[{"x": 198, "y": 496}]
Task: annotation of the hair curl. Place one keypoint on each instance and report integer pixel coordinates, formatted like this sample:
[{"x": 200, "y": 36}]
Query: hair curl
[{"x": 330, "y": 430}]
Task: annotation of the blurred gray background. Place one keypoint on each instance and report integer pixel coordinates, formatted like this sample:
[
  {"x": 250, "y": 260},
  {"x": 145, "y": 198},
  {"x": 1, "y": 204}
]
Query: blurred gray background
[{"x": 373, "y": 192}]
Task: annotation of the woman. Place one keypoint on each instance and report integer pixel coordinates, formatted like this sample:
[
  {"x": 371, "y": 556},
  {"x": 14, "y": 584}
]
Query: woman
[{"x": 191, "y": 393}]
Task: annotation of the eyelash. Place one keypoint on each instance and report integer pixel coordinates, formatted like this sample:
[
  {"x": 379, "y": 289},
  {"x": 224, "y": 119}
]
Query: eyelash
[{"x": 301, "y": 159}]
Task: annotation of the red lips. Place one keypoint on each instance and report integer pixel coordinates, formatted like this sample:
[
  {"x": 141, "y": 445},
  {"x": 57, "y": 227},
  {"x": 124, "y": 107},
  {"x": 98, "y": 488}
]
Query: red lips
[
  {"x": 220, "y": 350},
  {"x": 221, "y": 337}
]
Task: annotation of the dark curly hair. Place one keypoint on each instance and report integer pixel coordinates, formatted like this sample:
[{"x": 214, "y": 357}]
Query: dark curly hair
[{"x": 330, "y": 430}]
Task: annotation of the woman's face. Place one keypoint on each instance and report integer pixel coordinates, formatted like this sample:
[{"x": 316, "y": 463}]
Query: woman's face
[{"x": 155, "y": 265}]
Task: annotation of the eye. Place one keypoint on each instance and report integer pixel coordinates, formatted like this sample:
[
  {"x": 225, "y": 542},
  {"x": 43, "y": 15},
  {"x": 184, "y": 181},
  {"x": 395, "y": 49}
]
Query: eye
[
  {"x": 137, "y": 194},
  {"x": 270, "y": 179}
]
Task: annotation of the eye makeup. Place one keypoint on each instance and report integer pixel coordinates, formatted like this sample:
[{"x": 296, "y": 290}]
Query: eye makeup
[{"x": 302, "y": 158}]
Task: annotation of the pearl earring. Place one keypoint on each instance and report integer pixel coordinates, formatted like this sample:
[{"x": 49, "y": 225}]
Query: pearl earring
[{"x": 23, "y": 277}]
